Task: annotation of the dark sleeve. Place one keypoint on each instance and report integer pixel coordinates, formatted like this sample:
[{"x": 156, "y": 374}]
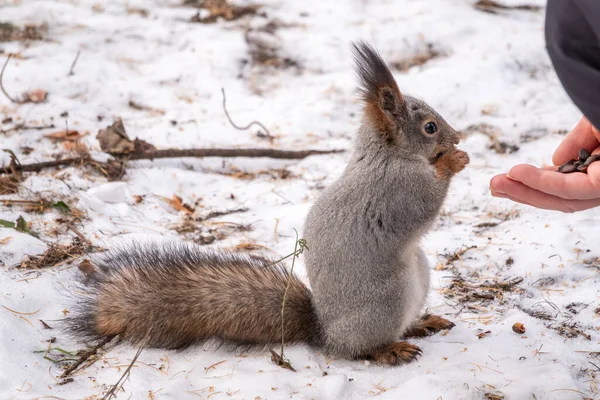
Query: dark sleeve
[{"x": 573, "y": 42}]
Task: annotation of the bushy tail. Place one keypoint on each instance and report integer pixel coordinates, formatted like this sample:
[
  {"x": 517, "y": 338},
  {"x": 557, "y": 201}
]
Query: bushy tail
[{"x": 176, "y": 295}]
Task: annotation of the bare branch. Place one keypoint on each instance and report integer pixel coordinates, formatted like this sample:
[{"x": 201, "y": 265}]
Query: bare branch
[{"x": 172, "y": 153}]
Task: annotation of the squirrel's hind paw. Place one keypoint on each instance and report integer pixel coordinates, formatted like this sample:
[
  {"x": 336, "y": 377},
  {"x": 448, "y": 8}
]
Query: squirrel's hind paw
[
  {"x": 428, "y": 325},
  {"x": 396, "y": 353}
]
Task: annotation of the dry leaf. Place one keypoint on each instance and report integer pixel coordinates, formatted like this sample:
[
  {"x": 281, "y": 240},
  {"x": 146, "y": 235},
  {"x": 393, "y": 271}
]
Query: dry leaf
[
  {"x": 5, "y": 240},
  {"x": 35, "y": 96},
  {"x": 249, "y": 247},
  {"x": 278, "y": 359},
  {"x": 142, "y": 12},
  {"x": 114, "y": 140},
  {"x": 481, "y": 335},
  {"x": 177, "y": 203},
  {"x": 77, "y": 147},
  {"x": 66, "y": 135},
  {"x": 87, "y": 268},
  {"x": 45, "y": 325}
]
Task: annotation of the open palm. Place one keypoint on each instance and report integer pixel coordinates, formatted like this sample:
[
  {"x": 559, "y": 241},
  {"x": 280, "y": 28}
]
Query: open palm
[{"x": 548, "y": 189}]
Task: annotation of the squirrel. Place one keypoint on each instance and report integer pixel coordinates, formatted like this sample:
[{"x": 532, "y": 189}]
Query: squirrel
[{"x": 368, "y": 276}]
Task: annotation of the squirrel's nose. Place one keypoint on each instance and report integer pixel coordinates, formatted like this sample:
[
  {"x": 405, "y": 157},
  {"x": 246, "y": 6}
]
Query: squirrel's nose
[{"x": 456, "y": 138}]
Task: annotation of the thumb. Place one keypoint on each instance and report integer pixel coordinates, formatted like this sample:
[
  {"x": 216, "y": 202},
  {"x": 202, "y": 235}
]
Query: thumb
[
  {"x": 583, "y": 136},
  {"x": 596, "y": 133}
]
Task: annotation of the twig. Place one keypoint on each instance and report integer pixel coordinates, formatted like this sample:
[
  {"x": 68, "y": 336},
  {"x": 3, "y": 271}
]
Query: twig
[
  {"x": 35, "y": 167},
  {"x": 1, "y": 76},
  {"x": 178, "y": 153},
  {"x": 79, "y": 234},
  {"x": 491, "y": 6},
  {"x": 113, "y": 391},
  {"x": 450, "y": 258},
  {"x": 74, "y": 62},
  {"x": 242, "y": 128},
  {"x": 19, "y": 127},
  {"x": 214, "y": 214},
  {"x": 85, "y": 356}
]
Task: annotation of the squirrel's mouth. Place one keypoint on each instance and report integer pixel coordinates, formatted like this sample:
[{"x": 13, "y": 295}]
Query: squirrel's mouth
[
  {"x": 437, "y": 154},
  {"x": 439, "y": 150}
]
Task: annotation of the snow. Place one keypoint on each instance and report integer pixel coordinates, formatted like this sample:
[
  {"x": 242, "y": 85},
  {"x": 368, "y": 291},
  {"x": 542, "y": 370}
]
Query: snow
[{"x": 495, "y": 71}]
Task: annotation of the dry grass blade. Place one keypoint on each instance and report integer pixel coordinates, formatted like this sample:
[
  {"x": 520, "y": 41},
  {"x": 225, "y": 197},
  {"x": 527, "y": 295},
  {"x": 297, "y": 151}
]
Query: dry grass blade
[
  {"x": 56, "y": 254},
  {"x": 242, "y": 128},
  {"x": 9, "y": 184},
  {"x": 2, "y": 85},
  {"x": 112, "y": 393},
  {"x": 71, "y": 70},
  {"x": 457, "y": 255},
  {"x": 85, "y": 355},
  {"x": 34, "y": 96}
]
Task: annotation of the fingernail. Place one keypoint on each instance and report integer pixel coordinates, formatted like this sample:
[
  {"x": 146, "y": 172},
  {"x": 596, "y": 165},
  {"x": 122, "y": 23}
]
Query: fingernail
[{"x": 510, "y": 177}]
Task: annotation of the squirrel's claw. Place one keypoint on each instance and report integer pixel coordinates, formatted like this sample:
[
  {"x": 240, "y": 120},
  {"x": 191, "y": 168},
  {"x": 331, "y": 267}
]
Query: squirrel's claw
[{"x": 396, "y": 353}]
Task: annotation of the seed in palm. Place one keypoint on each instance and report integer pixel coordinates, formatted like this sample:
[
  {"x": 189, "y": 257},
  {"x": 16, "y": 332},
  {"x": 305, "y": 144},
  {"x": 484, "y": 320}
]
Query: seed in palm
[
  {"x": 583, "y": 155},
  {"x": 580, "y": 164}
]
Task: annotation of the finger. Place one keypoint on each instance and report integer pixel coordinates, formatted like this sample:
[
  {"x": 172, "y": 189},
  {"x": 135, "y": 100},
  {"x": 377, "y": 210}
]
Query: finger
[
  {"x": 596, "y": 133},
  {"x": 576, "y": 185},
  {"x": 581, "y": 137},
  {"x": 520, "y": 193}
]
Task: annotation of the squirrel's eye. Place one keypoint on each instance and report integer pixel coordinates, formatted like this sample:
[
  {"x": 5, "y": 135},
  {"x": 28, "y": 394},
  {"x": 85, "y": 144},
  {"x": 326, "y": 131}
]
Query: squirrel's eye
[{"x": 430, "y": 128}]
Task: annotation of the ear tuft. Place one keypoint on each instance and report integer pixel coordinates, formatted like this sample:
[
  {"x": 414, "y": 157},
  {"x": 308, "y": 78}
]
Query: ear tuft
[
  {"x": 385, "y": 106},
  {"x": 388, "y": 100}
]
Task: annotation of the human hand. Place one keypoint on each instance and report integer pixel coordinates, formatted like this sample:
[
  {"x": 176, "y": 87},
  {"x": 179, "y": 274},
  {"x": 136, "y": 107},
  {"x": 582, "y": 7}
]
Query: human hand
[{"x": 548, "y": 189}]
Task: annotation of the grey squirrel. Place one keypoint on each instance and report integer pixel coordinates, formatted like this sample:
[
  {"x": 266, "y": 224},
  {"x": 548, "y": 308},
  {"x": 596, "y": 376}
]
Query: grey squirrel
[{"x": 368, "y": 274}]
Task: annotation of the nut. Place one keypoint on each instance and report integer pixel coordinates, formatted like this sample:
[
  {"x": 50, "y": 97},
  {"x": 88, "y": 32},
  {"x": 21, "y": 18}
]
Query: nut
[{"x": 518, "y": 328}]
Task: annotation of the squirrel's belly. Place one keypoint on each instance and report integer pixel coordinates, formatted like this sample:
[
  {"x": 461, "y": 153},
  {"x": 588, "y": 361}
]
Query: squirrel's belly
[{"x": 417, "y": 274}]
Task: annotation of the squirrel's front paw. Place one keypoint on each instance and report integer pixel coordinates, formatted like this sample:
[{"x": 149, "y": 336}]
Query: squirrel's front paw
[
  {"x": 396, "y": 353},
  {"x": 451, "y": 163}
]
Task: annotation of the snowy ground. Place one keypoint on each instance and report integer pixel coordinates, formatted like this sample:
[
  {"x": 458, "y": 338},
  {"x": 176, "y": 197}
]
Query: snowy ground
[{"x": 494, "y": 70}]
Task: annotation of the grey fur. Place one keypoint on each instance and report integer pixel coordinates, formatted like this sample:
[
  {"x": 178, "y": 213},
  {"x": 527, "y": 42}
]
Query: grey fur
[{"x": 368, "y": 274}]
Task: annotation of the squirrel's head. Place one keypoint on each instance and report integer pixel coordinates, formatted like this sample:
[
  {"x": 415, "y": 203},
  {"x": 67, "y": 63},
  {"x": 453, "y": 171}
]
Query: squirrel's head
[{"x": 397, "y": 121}]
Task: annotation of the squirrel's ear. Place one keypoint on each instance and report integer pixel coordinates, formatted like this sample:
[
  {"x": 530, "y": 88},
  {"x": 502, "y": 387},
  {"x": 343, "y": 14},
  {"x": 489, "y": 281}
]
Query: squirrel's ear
[{"x": 384, "y": 105}]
